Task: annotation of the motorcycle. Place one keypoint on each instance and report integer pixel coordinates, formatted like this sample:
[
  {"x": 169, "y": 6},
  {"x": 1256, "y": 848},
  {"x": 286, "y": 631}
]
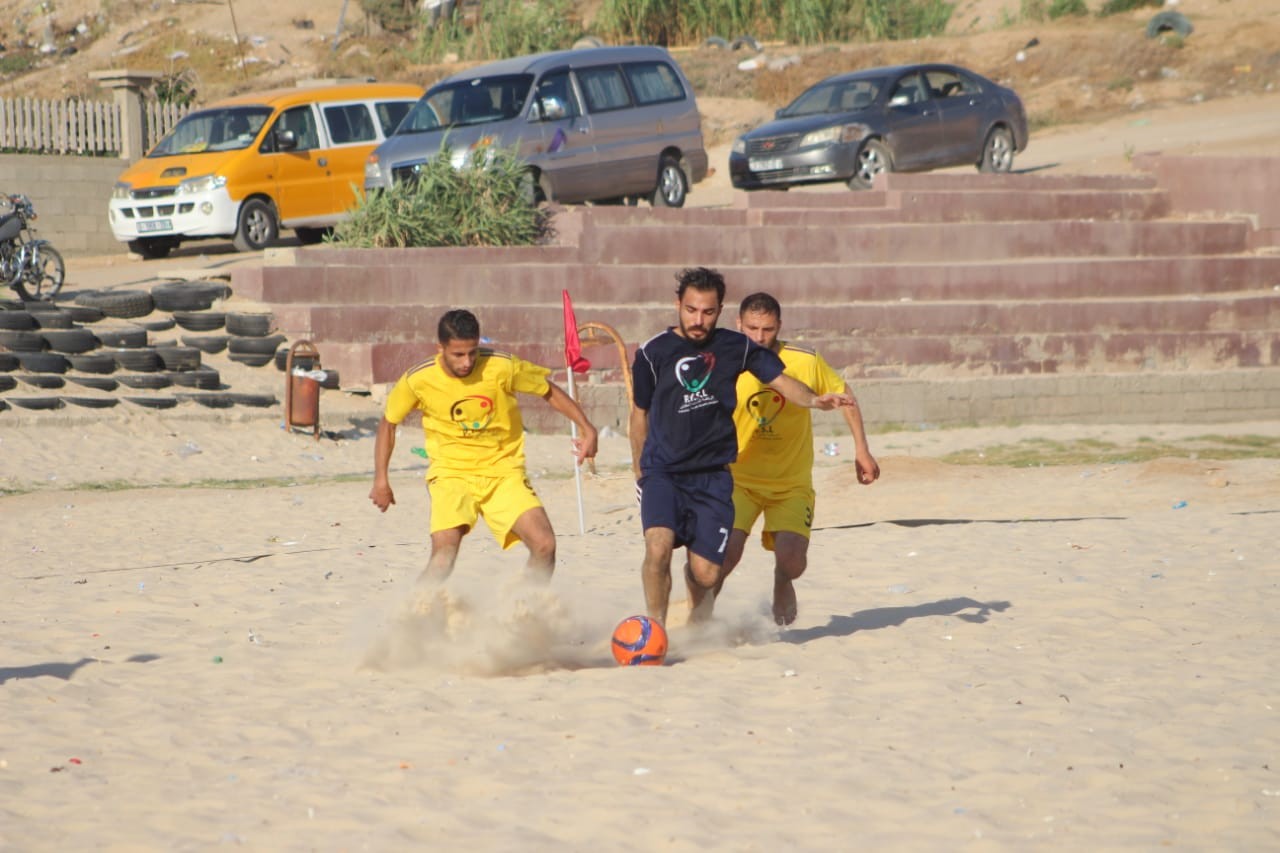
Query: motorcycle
[{"x": 30, "y": 266}]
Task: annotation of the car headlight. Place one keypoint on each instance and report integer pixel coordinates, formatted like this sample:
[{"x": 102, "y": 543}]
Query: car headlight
[
  {"x": 201, "y": 184},
  {"x": 373, "y": 169},
  {"x": 740, "y": 145},
  {"x": 830, "y": 135},
  {"x": 121, "y": 190}
]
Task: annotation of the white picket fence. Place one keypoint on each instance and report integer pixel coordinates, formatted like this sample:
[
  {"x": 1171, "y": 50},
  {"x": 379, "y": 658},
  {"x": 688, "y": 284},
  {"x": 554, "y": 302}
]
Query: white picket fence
[{"x": 92, "y": 128}]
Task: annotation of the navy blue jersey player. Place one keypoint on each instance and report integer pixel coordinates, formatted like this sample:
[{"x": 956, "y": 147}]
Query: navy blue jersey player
[{"x": 683, "y": 437}]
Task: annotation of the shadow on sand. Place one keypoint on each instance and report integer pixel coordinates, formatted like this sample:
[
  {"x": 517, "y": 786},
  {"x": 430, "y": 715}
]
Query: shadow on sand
[{"x": 886, "y": 617}]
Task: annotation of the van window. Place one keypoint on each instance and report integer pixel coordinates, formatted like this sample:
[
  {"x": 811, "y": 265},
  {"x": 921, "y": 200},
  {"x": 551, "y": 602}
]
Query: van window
[
  {"x": 653, "y": 82},
  {"x": 477, "y": 101},
  {"x": 390, "y": 114},
  {"x": 225, "y": 129},
  {"x": 302, "y": 122},
  {"x": 555, "y": 99},
  {"x": 349, "y": 123},
  {"x": 604, "y": 89}
]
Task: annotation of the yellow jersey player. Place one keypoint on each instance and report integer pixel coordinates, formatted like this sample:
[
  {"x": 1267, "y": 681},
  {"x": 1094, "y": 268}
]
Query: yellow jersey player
[
  {"x": 773, "y": 475},
  {"x": 475, "y": 441}
]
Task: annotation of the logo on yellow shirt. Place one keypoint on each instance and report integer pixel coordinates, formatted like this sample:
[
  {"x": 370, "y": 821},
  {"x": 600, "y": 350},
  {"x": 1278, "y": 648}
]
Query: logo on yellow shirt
[
  {"x": 765, "y": 406},
  {"x": 473, "y": 413}
]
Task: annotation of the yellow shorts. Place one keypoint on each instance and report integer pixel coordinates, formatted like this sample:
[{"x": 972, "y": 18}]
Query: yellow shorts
[
  {"x": 457, "y": 501},
  {"x": 789, "y": 510}
]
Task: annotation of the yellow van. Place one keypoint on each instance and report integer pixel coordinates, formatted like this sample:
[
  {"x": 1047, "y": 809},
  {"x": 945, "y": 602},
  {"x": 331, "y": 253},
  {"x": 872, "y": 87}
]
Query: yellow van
[{"x": 247, "y": 166}]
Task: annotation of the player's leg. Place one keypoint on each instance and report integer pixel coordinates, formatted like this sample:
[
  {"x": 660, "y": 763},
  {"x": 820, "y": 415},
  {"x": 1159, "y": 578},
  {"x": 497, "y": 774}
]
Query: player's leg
[
  {"x": 702, "y": 577},
  {"x": 710, "y": 519},
  {"x": 533, "y": 527},
  {"x": 791, "y": 557},
  {"x": 444, "y": 553},
  {"x": 655, "y": 572},
  {"x": 453, "y": 514},
  {"x": 746, "y": 509}
]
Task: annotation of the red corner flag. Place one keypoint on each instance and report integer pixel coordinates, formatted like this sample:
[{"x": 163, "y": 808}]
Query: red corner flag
[{"x": 572, "y": 346}]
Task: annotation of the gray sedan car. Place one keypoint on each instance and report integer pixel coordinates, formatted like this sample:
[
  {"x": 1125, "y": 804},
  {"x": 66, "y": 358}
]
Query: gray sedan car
[{"x": 904, "y": 118}]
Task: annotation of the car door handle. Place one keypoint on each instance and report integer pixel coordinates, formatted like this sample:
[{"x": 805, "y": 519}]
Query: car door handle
[
  {"x": 584, "y": 130},
  {"x": 322, "y": 162}
]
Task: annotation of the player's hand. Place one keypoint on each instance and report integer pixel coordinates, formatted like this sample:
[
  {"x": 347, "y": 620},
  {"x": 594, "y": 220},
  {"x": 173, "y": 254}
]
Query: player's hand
[
  {"x": 827, "y": 402},
  {"x": 586, "y": 446},
  {"x": 868, "y": 468},
  {"x": 382, "y": 496}
]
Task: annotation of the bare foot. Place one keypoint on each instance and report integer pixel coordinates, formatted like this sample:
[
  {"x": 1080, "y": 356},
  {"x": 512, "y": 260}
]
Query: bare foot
[{"x": 784, "y": 600}]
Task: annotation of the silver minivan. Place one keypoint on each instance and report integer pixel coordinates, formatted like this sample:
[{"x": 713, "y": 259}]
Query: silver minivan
[{"x": 611, "y": 124}]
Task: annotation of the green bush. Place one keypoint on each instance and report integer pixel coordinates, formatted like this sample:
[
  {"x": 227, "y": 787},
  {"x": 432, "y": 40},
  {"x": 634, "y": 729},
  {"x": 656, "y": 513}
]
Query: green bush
[
  {"x": 1067, "y": 9},
  {"x": 1116, "y": 7},
  {"x": 394, "y": 16},
  {"x": 507, "y": 28},
  {"x": 485, "y": 204}
]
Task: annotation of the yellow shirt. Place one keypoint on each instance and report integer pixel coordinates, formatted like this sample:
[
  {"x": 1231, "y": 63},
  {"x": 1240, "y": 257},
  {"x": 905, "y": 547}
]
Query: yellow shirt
[
  {"x": 775, "y": 438},
  {"x": 472, "y": 425}
]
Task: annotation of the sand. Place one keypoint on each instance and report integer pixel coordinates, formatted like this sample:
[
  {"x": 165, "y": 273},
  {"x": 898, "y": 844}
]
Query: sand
[{"x": 1080, "y": 657}]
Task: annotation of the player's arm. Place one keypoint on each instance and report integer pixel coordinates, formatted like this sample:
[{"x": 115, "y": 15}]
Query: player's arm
[
  {"x": 797, "y": 392},
  {"x": 638, "y": 430},
  {"x": 867, "y": 467},
  {"x": 383, "y": 444},
  {"x": 586, "y": 444}
]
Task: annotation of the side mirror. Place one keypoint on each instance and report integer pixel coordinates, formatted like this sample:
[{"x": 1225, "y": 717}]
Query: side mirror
[
  {"x": 777, "y": 113},
  {"x": 286, "y": 140}
]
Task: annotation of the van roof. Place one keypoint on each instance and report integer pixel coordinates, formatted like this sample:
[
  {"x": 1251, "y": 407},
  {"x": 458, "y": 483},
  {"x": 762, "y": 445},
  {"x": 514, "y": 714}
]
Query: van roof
[
  {"x": 542, "y": 61},
  {"x": 285, "y": 97}
]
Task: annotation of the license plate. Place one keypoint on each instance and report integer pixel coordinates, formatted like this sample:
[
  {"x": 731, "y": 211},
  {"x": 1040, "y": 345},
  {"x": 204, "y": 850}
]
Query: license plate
[
  {"x": 152, "y": 225},
  {"x": 765, "y": 164}
]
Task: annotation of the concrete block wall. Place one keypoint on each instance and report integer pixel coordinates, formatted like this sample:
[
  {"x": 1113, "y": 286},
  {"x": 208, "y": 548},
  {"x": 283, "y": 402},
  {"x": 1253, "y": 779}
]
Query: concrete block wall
[{"x": 70, "y": 195}]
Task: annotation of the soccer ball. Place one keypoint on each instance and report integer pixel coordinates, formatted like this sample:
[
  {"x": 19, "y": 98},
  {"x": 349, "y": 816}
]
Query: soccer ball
[{"x": 639, "y": 641}]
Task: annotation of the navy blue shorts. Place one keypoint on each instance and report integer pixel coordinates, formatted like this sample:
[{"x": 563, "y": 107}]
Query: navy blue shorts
[{"x": 697, "y": 506}]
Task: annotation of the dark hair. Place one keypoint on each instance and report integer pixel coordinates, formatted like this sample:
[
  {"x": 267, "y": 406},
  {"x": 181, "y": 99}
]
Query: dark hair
[
  {"x": 458, "y": 325},
  {"x": 700, "y": 279},
  {"x": 761, "y": 303}
]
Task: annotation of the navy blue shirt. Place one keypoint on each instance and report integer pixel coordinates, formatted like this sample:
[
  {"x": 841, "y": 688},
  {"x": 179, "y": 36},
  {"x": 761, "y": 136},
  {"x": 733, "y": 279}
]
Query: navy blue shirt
[{"x": 690, "y": 392}]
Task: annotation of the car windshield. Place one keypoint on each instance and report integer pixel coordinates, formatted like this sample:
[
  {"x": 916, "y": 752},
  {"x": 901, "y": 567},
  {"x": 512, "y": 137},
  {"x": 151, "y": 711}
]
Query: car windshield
[
  {"x": 836, "y": 96},
  {"x": 225, "y": 129},
  {"x": 468, "y": 102}
]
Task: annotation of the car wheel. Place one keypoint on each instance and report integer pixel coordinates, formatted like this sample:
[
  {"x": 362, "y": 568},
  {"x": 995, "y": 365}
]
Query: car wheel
[
  {"x": 534, "y": 188},
  {"x": 997, "y": 151},
  {"x": 873, "y": 160},
  {"x": 257, "y": 227},
  {"x": 153, "y": 248},
  {"x": 672, "y": 187}
]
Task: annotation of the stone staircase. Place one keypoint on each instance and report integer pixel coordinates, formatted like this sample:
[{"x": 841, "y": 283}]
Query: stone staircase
[{"x": 943, "y": 297}]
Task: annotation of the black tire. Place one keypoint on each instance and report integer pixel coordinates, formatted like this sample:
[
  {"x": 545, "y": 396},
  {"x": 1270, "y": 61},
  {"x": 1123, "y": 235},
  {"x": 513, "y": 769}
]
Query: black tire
[
  {"x": 55, "y": 319},
  {"x": 997, "y": 151},
  {"x": 213, "y": 400},
  {"x": 84, "y": 314},
  {"x": 267, "y": 345},
  {"x": 673, "y": 186},
  {"x": 179, "y": 358},
  {"x": 716, "y": 41},
  {"x": 164, "y": 324},
  {"x": 252, "y": 359},
  {"x": 21, "y": 340},
  {"x": 144, "y": 381},
  {"x": 187, "y": 295},
  {"x": 37, "y": 403},
  {"x": 7, "y": 383},
  {"x": 43, "y": 362},
  {"x": 159, "y": 401},
  {"x": 43, "y": 280},
  {"x": 255, "y": 325},
  {"x": 142, "y": 360},
  {"x": 93, "y": 362},
  {"x": 17, "y": 321},
  {"x": 119, "y": 303},
  {"x": 129, "y": 337},
  {"x": 97, "y": 383},
  {"x": 257, "y": 227},
  {"x": 70, "y": 340},
  {"x": 154, "y": 248},
  {"x": 746, "y": 41},
  {"x": 202, "y": 377},
  {"x": 206, "y": 343},
  {"x": 312, "y": 236},
  {"x": 91, "y": 402},
  {"x": 259, "y": 401},
  {"x": 300, "y": 362},
  {"x": 1169, "y": 22},
  {"x": 43, "y": 381},
  {"x": 331, "y": 380},
  {"x": 8, "y": 361},
  {"x": 200, "y": 321},
  {"x": 873, "y": 159}
]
